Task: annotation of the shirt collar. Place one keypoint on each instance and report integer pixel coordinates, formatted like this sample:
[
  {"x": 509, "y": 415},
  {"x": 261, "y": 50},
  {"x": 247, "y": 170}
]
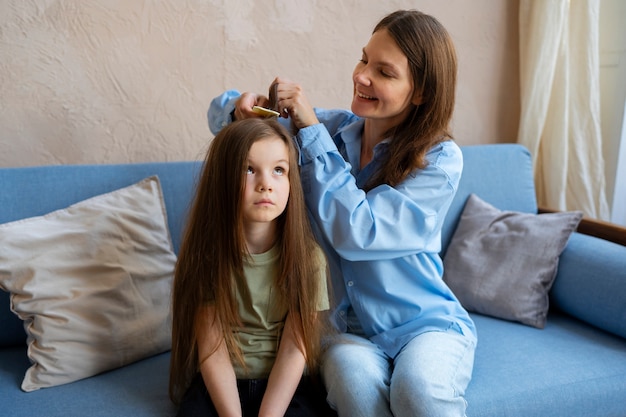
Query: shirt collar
[{"x": 351, "y": 133}]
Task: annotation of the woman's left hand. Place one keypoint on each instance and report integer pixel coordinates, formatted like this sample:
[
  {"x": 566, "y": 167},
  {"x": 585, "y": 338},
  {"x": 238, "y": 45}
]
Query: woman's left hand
[{"x": 291, "y": 101}]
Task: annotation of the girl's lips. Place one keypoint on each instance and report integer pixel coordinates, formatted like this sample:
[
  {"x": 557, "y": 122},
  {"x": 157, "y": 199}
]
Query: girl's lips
[{"x": 264, "y": 202}]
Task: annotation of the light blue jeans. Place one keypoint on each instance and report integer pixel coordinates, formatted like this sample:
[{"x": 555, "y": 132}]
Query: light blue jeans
[{"x": 427, "y": 378}]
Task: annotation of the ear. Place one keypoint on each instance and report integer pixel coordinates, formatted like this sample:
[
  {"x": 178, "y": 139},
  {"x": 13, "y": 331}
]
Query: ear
[{"x": 418, "y": 98}]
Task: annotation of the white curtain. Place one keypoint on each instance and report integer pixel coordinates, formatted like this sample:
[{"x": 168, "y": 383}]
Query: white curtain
[{"x": 560, "y": 100}]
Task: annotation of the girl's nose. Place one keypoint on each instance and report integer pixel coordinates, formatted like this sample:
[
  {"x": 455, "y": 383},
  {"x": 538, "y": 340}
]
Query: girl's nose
[{"x": 264, "y": 184}]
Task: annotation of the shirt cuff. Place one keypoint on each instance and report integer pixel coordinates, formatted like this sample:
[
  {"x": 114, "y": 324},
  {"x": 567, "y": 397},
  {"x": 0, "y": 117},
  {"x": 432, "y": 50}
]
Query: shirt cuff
[{"x": 313, "y": 142}]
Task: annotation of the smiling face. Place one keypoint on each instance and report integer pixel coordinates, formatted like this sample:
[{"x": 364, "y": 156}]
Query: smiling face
[
  {"x": 267, "y": 181},
  {"x": 383, "y": 84}
]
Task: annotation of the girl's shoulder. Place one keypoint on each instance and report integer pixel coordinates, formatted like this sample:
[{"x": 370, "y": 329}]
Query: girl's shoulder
[{"x": 319, "y": 256}]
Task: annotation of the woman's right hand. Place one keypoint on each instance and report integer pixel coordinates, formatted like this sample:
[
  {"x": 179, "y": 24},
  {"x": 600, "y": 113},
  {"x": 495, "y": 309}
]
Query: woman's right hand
[{"x": 245, "y": 102}]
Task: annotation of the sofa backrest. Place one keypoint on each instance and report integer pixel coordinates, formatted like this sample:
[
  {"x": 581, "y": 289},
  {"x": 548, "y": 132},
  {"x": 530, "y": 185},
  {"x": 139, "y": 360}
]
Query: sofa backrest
[
  {"x": 500, "y": 174},
  {"x": 34, "y": 191}
]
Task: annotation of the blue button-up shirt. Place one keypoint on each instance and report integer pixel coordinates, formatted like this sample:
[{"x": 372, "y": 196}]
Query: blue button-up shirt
[{"x": 382, "y": 246}]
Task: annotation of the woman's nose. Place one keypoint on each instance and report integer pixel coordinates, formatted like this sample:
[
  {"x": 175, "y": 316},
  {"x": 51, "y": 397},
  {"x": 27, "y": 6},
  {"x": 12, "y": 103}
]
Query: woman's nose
[{"x": 361, "y": 76}]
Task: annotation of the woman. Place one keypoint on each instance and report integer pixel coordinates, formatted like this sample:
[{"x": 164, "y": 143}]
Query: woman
[{"x": 378, "y": 183}]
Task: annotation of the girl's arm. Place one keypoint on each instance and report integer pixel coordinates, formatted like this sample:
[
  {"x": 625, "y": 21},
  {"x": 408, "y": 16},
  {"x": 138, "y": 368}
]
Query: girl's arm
[
  {"x": 215, "y": 365},
  {"x": 285, "y": 375}
]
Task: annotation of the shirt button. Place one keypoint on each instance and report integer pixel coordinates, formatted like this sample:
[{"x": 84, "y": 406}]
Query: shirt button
[{"x": 350, "y": 283}]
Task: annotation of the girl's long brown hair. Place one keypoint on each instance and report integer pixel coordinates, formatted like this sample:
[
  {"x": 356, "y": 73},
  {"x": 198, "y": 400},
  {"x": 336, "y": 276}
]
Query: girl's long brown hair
[
  {"x": 433, "y": 65},
  {"x": 213, "y": 250}
]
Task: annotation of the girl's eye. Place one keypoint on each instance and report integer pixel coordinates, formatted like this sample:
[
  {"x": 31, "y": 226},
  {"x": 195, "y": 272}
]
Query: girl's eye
[
  {"x": 279, "y": 171},
  {"x": 250, "y": 170}
]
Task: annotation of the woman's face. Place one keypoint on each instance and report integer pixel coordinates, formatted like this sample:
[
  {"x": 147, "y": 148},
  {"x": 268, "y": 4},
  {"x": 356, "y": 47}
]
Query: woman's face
[{"x": 383, "y": 84}]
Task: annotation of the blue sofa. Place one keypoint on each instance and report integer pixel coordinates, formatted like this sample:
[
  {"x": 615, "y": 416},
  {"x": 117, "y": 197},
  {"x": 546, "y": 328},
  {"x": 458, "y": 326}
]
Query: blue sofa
[{"x": 576, "y": 366}]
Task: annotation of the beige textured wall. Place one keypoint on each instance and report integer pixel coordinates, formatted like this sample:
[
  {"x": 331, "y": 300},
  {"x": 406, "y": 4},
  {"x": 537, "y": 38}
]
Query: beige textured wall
[{"x": 107, "y": 81}]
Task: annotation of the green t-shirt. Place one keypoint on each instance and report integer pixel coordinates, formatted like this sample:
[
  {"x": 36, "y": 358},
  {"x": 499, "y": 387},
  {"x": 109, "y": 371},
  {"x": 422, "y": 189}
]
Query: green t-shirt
[{"x": 263, "y": 314}]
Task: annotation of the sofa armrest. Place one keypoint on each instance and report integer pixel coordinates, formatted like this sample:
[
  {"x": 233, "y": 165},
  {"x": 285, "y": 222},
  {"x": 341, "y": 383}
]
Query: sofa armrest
[
  {"x": 591, "y": 284},
  {"x": 598, "y": 228}
]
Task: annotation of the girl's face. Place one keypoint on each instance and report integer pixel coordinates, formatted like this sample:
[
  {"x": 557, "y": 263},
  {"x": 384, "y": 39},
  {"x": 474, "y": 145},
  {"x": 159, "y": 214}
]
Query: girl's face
[
  {"x": 383, "y": 84},
  {"x": 267, "y": 181}
]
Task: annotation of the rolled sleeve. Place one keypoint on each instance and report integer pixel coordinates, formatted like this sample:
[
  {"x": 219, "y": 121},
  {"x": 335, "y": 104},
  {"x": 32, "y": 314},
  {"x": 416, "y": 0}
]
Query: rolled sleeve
[
  {"x": 314, "y": 142},
  {"x": 220, "y": 110}
]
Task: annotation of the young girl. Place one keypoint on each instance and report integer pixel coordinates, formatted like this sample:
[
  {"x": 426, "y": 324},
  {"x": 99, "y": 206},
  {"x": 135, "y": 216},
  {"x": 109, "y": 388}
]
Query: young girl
[
  {"x": 249, "y": 283},
  {"x": 379, "y": 181}
]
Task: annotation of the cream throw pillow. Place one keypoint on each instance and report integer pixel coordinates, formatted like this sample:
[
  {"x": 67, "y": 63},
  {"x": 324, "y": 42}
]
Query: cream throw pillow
[{"x": 92, "y": 283}]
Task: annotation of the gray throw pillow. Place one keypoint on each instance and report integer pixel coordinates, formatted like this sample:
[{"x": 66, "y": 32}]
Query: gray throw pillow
[{"x": 503, "y": 263}]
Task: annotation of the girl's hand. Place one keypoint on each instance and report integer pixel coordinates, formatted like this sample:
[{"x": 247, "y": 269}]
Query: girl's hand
[
  {"x": 292, "y": 102},
  {"x": 244, "y": 104}
]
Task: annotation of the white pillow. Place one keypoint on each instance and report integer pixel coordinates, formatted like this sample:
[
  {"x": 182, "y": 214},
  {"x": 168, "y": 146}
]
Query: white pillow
[{"x": 92, "y": 283}]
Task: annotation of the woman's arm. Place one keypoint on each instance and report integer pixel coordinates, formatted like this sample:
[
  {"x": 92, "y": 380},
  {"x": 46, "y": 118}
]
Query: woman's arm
[
  {"x": 386, "y": 222},
  {"x": 215, "y": 365},
  {"x": 286, "y": 374}
]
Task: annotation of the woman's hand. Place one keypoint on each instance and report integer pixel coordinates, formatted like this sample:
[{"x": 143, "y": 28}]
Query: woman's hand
[
  {"x": 245, "y": 103},
  {"x": 292, "y": 102}
]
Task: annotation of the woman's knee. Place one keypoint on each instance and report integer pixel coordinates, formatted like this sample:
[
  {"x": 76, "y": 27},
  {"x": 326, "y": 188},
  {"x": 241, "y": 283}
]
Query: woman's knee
[
  {"x": 354, "y": 357},
  {"x": 356, "y": 375},
  {"x": 431, "y": 375}
]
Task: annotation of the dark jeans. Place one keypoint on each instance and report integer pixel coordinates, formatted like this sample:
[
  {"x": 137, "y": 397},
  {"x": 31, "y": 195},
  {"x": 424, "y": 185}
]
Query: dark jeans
[{"x": 308, "y": 401}]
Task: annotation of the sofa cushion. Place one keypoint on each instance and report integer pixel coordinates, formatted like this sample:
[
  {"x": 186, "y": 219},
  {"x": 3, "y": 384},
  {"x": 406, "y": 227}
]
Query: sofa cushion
[
  {"x": 503, "y": 263},
  {"x": 501, "y": 174},
  {"x": 567, "y": 369},
  {"x": 136, "y": 390},
  {"x": 91, "y": 282}
]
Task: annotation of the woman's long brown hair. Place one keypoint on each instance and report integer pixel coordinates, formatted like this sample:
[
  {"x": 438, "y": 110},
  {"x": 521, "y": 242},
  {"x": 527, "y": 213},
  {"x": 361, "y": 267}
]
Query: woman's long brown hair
[
  {"x": 433, "y": 65},
  {"x": 213, "y": 250}
]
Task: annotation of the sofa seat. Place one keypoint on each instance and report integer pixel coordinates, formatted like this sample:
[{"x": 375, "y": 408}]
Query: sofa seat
[
  {"x": 136, "y": 390},
  {"x": 519, "y": 369}
]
